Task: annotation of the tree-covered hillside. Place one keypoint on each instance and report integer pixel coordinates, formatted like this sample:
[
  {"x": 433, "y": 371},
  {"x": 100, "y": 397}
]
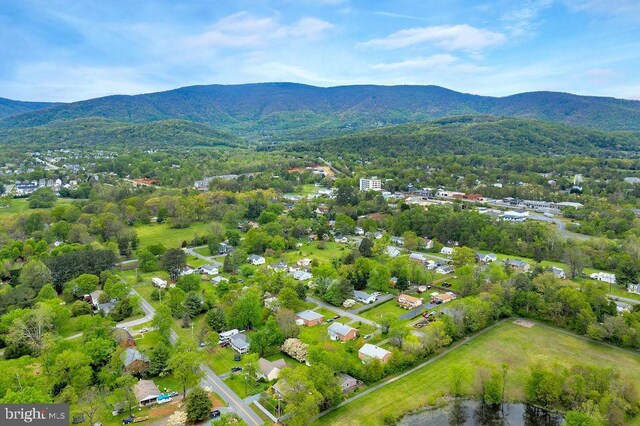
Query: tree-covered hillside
[
  {"x": 289, "y": 111},
  {"x": 102, "y": 132},
  {"x": 9, "y": 107},
  {"x": 480, "y": 135}
]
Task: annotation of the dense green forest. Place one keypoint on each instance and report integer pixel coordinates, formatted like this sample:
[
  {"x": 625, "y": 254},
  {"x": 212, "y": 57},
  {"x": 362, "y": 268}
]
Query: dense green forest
[
  {"x": 485, "y": 135},
  {"x": 102, "y": 132},
  {"x": 286, "y": 110}
]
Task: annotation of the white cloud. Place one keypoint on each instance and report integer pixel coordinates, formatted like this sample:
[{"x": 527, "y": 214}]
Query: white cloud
[
  {"x": 243, "y": 30},
  {"x": 448, "y": 37},
  {"x": 607, "y": 6},
  {"x": 522, "y": 19},
  {"x": 434, "y": 61},
  {"x": 600, "y": 72},
  {"x": 397, "y": 15}
]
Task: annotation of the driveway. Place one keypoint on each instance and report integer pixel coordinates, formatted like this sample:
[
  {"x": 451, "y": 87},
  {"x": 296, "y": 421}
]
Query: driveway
[
  {"x": 381, "y": 299},
  {"x": 342, "y": 312},
  {"x": 211, "y": 259}
]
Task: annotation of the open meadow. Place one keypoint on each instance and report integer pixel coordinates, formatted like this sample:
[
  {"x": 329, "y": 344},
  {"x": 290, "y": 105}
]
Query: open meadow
[{"x": 518, "y": 346}]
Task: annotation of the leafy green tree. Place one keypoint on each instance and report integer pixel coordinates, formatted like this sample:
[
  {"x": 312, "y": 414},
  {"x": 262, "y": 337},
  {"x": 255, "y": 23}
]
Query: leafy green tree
[
  {"x": 116, "y": 288},
  {"x": 411, "y": 240},
  {"x": 287, "y": 323},
  {"x": 402, "y": 284},
  {"x": 35, "y": 274},
  {"x": 458, "y": 375},
  {"x": 216, "y": 319},
  {"x": 462, "y": 256},
  {"x": 246, "y": 312},
  {"x": 189, "y": 283},
  {"x": 174, "y": 261},
  {"x": 198, "y": 405},
  {"x": 147, "y": 261},
  {"x": 158, "y": 360},
  {"x": 162, "y": 322},
  {"x": 289, "y": 299},
  {"x": 80, "y": 307},
  {"x": 123, "y": 309},
  {"x": 175, "y": 301},
  {"x": 193, "y": 304},
  {"x": 42, "y": 198},
  {"x": 366, "y": 247},
  {"x": 344, "y": 224},
  {"x": 78, "y": 287},
  {"x": 185, "y": 366},
  {"x": 47, "y": 292}
]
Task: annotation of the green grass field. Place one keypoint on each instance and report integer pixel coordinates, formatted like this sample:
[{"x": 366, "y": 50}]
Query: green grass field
[
  {"x": 154, "y": 233},
  {"x": 388, "y": 307},
  {"x": 221, "y": 359},
  {"x": 21, "y": 205},
  {"x": 518, "y": 346}
]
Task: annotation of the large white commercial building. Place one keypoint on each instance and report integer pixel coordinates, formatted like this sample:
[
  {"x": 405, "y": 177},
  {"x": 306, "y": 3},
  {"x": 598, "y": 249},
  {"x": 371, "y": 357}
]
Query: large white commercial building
[{"x": 370, "y": 184}]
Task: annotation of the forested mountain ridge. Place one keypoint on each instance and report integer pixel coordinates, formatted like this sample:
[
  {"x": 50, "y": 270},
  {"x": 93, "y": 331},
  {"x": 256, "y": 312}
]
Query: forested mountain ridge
[
  {"x": 293, "y": 111},
  {"x": 91, "y": 132},
  {"x": 486, "y": 135},
  {"x": 10, "y": 107}
]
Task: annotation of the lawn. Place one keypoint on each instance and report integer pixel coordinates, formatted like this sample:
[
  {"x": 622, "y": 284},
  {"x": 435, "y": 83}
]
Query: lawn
[
  {"x": 21, "y": 205},
  {"x": 331, "y": 251},
  {"x": 154, "y": 233},
  {"x": 315, "y": 334},
  {"x": 221, "y": 359},
  {"x": 204, "y": 251},
  {"x": 237, "y": 384},
  {"x": 518, "y": 346},
  {"x": 388, "y": 307}
]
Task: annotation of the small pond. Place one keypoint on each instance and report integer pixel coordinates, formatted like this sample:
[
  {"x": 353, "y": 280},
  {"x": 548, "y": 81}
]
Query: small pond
[{"x": 470, "y": 413}]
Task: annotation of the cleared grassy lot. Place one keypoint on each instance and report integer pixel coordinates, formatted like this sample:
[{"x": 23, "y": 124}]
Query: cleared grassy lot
[
  {"x": 388, "y": 307},
  {"x": 154, "y": 233},
  {"x": 520, "y": 347}
]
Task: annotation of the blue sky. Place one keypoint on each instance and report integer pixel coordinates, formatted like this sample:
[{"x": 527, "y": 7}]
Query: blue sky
[{"x": 66, "y": 50}]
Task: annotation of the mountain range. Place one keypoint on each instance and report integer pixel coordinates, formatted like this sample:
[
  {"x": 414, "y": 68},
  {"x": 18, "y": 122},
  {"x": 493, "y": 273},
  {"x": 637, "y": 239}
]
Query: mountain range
[{"x": 288, "y": 111}]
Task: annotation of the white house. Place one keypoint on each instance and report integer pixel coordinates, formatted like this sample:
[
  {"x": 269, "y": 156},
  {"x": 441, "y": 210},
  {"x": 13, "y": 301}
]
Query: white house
[
  {"x": 159, "y": 282},
  {"x": 392, "y": 251},
  {"x": 254, "y": 259},
  {"x": 418, "y": 257},
  {"x": 604, "y": 276},
  {"x": 446, "y": 251},
  {"x": 239, "y": 343},
  {"x": 444, "y": 269},
  {"x": 302, "y": 275},
  {"x": 486, "y": 258},
  {"x": 208, "y": 270},
  {"x": 363, "y": 297},
  {"x": 369, "y": 351},
  {"x": 270, "y": 370},
  {"x": 218, "y": 279},
  {"x": 558, "y": 272}
]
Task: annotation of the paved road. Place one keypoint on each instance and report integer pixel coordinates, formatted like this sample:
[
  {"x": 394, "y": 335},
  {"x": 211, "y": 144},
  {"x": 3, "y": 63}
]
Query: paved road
[
  {"x": 625, "y": 300},
  {"x": 211, "y": 380},
  {"x": 342, "y": 312},
  {"x": 239, "y": 406},
  {"x": 562, "y": 228},
  {"x": 414, "y": 369},
  {"x": 210, "y": 259}
]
